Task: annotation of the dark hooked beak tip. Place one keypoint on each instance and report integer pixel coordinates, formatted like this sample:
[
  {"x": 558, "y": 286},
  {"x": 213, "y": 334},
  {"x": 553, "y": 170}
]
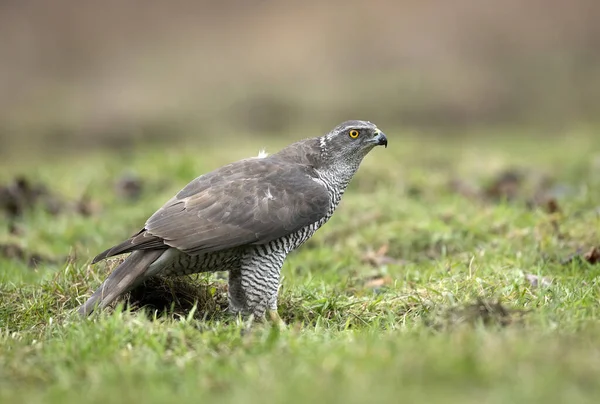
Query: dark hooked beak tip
[{"x": 381, "y": 139}]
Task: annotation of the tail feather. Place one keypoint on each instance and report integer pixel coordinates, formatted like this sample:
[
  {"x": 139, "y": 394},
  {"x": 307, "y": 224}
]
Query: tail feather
[{"x": 123, "y": 278}]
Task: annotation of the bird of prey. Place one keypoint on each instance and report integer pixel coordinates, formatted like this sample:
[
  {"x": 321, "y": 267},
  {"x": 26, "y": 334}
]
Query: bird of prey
[{"x": 244, "y": 218}]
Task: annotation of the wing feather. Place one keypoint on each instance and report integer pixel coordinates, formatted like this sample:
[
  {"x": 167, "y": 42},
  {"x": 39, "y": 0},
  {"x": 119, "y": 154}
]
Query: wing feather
[{"x": 251, "y": 201}]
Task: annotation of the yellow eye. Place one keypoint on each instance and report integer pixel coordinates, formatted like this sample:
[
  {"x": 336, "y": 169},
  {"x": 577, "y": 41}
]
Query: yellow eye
[{"x": 353, "y": 134}]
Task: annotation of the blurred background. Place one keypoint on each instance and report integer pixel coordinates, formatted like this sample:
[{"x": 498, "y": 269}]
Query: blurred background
[{"x": 85, "y": 75}]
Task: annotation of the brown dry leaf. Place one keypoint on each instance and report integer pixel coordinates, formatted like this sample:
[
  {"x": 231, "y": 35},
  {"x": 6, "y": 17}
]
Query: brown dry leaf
[
  {"x": 546, "y": 202},
  {"x": 593, "y": 255},
  {"x": 535, "y": 280},
  {"x": 379, "y": 258},
  {"x": 377, "y": 282},
  {"x": 551, "y": 206},
  {"x": 506, "y": 186}
]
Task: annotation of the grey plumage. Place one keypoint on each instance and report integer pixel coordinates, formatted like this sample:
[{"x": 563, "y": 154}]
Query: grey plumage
[{"x": 244, "y": 217}]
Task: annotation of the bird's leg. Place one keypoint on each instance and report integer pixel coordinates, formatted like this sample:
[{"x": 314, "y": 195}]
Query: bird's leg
[
  {"x": 253, "y": 288},
  {"x": 235, "y": 293}
]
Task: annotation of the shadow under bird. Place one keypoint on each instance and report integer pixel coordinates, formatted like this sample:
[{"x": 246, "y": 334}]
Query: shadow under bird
[{"x": 244, "y": 218}]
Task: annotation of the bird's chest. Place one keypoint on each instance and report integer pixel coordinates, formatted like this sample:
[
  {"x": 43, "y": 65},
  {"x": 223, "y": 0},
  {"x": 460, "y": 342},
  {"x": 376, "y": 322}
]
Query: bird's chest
[{"x": 301, "y": 236}]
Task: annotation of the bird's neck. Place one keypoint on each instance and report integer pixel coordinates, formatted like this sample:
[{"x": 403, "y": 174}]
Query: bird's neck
[{"x": 337, "y": 177}]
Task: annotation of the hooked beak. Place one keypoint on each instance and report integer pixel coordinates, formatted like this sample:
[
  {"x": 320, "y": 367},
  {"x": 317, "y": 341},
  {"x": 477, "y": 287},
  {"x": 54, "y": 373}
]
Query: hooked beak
[{"x": 380, "y": 139}]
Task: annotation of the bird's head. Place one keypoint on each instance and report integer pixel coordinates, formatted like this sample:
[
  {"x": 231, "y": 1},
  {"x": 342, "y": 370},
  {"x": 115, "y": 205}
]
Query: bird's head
[
  {"x": 351, "y": 140},
  {"x": 341, "y": 150}
]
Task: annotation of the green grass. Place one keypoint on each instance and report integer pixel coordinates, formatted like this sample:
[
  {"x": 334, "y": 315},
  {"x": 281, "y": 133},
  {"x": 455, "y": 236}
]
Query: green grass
[{"x": 444, "y": 312}]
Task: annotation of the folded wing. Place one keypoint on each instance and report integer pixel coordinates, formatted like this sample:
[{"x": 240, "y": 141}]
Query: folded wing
[{"x": 251, "y": 201}]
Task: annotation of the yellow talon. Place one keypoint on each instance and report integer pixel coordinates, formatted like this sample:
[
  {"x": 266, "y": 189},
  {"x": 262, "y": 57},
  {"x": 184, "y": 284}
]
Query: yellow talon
[{"x": 274, "y": 317}]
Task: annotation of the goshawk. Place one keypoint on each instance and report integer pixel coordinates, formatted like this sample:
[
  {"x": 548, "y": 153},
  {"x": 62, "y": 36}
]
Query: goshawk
[{"x": 244, "y": 217}]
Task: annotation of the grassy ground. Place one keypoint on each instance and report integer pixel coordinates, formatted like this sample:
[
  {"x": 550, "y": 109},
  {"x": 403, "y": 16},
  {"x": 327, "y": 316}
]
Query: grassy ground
[{"x": 444, "y": 276}]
